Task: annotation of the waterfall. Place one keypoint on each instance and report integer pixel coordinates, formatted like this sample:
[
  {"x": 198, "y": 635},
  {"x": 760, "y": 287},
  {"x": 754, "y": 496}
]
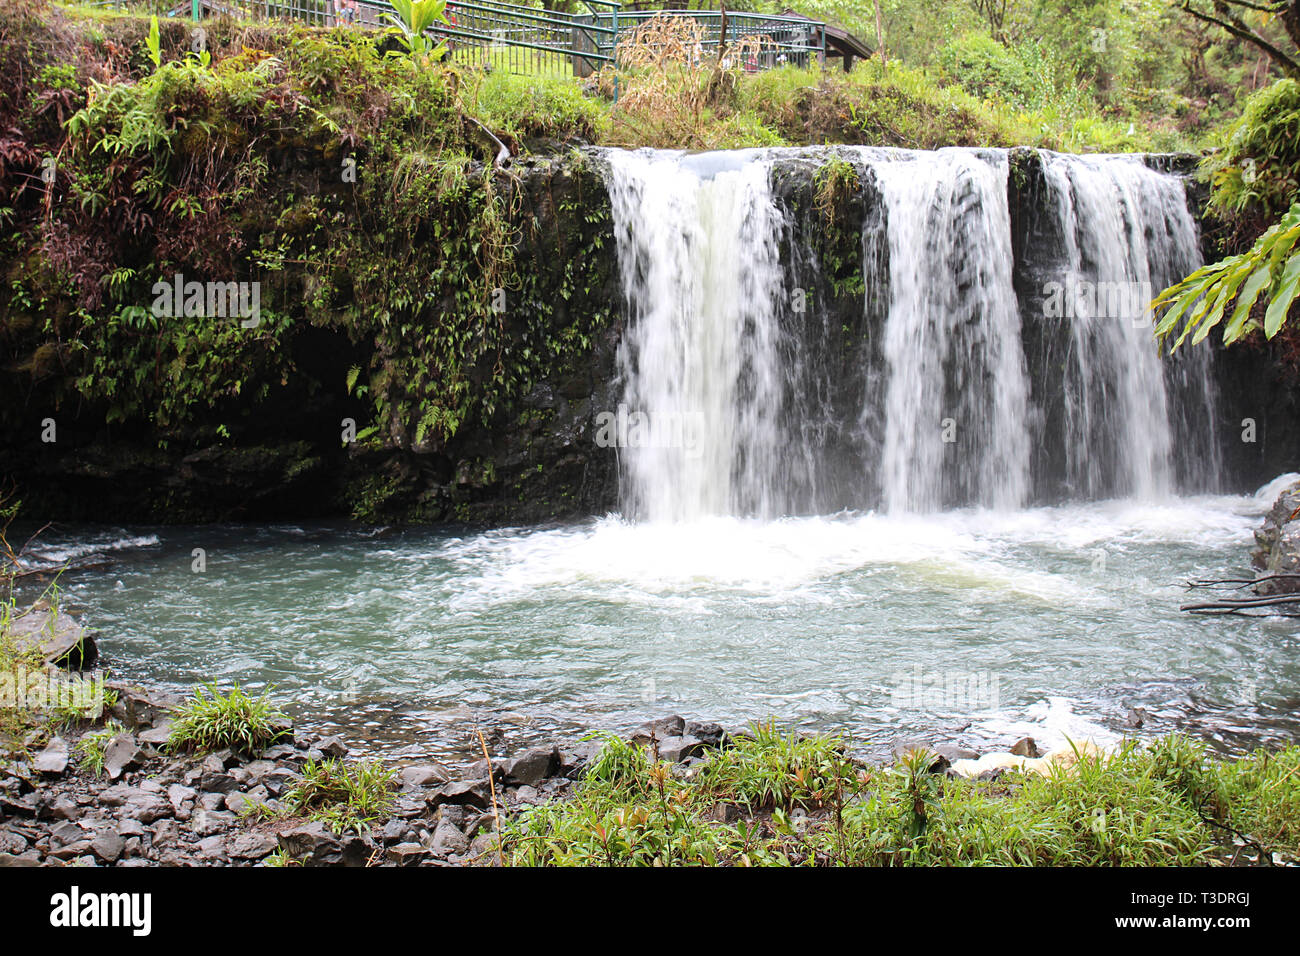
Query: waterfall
[
  {"x": 697, "y": 248},
  {"x": 1004, "y": 354},
  {"x": 1126, "y": 234},
  {"x": 956, "y": 399}
]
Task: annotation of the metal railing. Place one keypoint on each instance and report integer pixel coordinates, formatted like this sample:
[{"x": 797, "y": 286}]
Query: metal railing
[
  {"x": 531, "y": 40},
  {"x": 316, "y": 12},
  {"x": 519, "y": 38},
  {"x": 784, "y": 40}
]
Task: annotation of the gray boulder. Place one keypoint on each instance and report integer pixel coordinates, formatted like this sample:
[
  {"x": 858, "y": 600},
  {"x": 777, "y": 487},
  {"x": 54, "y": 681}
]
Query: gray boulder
[
  {"x": 664, "y": 727},
  {"x": 332, "y": 747},
  {"x": 448, "y": 840},
  {"x": 252, "y": 845},
  {"x": 532, "y": 767},
  {"x": 108, "y": 846},
  {"x": 222, "y": 783},
  {"x": 145, "y": 807},
  {"x": 710, "y": 734},
  {"x": 1026, "y": 747},
  {"x": 422, "y": 776},
  {"x": 677, "y": 749},
  {"x": 407, "y": 854},
  {"x": 1278, "y": 541},
  {"x": 473, "y": 793},
  {"x": 314, "y": 845},
  {"x": 207, "y": 822}
]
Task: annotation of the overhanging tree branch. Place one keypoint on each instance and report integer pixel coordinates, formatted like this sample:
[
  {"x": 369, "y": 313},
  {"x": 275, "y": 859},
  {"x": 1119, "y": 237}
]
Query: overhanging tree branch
[{"x": 1234, "y": 25}]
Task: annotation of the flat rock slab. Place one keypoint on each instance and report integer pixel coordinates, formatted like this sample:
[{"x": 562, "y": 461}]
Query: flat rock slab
[
  {"x": 53, "y": 759},
  {"x": 56, "y": 637}
]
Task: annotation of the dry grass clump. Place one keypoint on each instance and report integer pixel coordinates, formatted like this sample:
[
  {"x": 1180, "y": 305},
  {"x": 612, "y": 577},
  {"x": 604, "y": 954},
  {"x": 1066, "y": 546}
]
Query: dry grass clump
[{"x": 673, "y": 91}]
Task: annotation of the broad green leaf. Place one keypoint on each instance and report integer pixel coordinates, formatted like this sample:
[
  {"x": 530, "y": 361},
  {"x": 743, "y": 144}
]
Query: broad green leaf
[
  {"x": 1237, "y": 323},
  {"x": 1200, "y": 300},
  {"x": 1282, "y": 299}
]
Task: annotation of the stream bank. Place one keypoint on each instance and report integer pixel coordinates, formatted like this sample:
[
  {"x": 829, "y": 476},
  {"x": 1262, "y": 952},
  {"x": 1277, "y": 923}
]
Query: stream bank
[{"x": 147, "y": 807}]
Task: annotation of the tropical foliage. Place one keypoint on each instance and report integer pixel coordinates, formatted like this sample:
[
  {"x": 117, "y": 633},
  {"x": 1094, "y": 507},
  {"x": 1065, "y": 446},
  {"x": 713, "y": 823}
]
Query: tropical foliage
[
  {"x": 413, "y": 18},
  {"x": 1269, "y": 270}
]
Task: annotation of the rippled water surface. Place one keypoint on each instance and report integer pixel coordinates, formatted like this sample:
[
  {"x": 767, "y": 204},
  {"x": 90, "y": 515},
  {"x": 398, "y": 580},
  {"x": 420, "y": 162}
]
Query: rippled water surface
[{"x": 972, "y": 626}]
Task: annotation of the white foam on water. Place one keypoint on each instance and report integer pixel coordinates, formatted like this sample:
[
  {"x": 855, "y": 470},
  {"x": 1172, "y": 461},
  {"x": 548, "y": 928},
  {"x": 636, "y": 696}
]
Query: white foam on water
[
  {"x": 801, "y": 558},
  {"x": 99, "y": 544},
  {"x": 1053, "y": 723},
  {"x": 1268, "y": 494}
]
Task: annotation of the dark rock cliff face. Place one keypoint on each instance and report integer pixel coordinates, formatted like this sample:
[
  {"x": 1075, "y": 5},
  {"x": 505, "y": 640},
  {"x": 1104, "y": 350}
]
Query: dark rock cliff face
[
  {"x": 535, "y": 459},
  {"x": 834, "y": 335},
  {"x": 1035, "y": 230},
  {"x": 538, "y": 460},
  {"x": 1260, "y": 402}
]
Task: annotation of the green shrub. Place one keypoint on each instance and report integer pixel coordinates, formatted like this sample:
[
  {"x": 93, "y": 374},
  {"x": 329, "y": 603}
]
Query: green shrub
[
  {"x": 986, "y": 68},
  {"x": 619, "y": 765},
  {"x": 211, "y": 720},
  {"x": 769, "y": 770}
]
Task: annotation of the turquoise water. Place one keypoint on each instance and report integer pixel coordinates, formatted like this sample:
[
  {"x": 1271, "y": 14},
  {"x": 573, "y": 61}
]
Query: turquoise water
[{"x": 967, "y": 625}]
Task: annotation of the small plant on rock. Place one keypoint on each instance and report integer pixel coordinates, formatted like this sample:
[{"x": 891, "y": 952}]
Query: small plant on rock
[
  {"x": 413, "y": 18},
  {"x": 92, "y": 747},
  {"x": 211, "y": 720}
]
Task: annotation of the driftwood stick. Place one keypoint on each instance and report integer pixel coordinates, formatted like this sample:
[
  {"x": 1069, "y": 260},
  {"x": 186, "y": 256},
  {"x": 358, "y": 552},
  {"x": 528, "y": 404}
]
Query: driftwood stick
[
  {"x": 1233, "y": 605},
  {"x": 1241, "y": 582}
]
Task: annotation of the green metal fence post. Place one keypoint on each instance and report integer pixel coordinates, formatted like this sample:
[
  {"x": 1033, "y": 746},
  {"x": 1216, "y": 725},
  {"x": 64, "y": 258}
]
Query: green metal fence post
[
  {"x": 194, "y": 11},
  {"x": 613, "y": 54}
]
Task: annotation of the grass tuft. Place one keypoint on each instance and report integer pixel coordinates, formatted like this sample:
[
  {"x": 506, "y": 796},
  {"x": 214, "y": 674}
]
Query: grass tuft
[
  {"x": 91, "y": 748},
  {"x": 211, "y": 720},
  {"x": 344, "y": 797}
]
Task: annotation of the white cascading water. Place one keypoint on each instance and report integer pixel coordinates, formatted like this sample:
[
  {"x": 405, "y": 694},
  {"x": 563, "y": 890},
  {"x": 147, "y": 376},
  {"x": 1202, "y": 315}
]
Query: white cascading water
[
  {"x": 1126, "y": 227},
  {"x": 697, "y": 248},
  {"x": 957, "y": 383},
  {"x": 713, "y": 358}
]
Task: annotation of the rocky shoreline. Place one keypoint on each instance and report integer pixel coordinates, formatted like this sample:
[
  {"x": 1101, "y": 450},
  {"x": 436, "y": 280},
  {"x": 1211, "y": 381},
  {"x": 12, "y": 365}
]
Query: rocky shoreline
[{"x": 150, "y": 807}]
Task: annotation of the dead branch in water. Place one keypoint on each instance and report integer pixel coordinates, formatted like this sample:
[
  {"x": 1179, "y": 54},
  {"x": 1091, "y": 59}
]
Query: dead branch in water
[
  {"x": 1241, "y": 605},
  {"x": 1239, "y": 583}
]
